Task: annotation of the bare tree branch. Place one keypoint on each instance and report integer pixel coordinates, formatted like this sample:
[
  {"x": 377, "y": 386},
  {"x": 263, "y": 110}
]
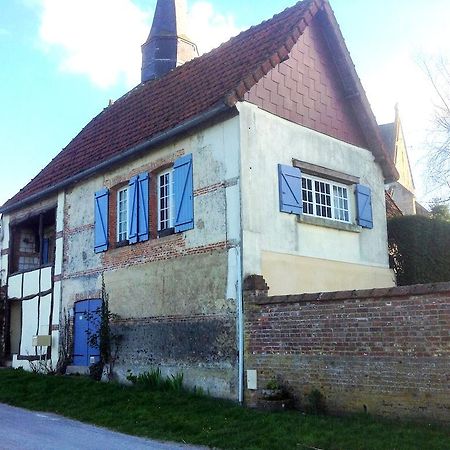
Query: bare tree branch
[{"x": 438, "y": 158}]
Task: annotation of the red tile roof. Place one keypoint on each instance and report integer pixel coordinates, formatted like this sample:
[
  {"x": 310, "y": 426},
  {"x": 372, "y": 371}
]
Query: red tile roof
[{"x": 223, "y": 75}]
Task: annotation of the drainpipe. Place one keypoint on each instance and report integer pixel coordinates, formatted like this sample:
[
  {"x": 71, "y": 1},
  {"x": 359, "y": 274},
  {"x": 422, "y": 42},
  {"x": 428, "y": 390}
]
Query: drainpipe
[{"x": 240, "y": 308}]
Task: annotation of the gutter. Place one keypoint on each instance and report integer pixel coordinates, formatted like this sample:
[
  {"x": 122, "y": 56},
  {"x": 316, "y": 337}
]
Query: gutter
[{"x": 136, "y": 150}]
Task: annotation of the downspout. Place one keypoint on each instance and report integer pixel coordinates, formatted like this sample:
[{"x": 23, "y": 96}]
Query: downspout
[
  {"x": 239, "y": 284},
  {"x": 239, "y": 299}
]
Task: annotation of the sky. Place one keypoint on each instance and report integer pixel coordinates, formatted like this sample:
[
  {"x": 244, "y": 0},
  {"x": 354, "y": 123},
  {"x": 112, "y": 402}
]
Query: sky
[{"x": 61, "y": 61}]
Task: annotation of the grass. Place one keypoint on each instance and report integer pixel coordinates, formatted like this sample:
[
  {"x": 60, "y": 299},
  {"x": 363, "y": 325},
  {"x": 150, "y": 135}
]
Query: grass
[{"x": 184, "y": 417}]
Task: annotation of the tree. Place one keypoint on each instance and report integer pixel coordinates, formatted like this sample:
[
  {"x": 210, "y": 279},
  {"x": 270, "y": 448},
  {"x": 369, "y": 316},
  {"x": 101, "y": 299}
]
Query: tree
[
  {"x": 438, "y": 164},
  {"x": 440, "y": 211}
]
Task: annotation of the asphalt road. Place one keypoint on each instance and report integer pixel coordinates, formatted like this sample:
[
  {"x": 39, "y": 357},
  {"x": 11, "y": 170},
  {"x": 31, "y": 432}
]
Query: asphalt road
[{"x": 27, "y": 430}]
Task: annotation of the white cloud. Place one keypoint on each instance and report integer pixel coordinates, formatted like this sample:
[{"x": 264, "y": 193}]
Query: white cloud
[
  {"x": 102, "y": 39},
  {"x": 208, "y": 28}
]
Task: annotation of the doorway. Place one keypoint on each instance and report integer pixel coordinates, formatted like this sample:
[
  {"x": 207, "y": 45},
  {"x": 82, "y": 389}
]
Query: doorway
[{"x": 87, "y": 315}]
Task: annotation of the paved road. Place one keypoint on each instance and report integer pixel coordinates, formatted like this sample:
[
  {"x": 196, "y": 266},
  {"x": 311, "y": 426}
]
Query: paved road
[{"x": 26, "y": 430}]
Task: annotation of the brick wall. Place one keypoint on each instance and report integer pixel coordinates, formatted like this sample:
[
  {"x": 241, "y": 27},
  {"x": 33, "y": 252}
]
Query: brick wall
[{"x": 384, "y": 351}]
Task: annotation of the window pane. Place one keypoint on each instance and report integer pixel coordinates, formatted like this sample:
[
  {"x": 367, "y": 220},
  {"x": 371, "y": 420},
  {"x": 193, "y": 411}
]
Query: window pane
[
  {"x": 165, "y": 201},
  {"x": 122, "y": 215}
]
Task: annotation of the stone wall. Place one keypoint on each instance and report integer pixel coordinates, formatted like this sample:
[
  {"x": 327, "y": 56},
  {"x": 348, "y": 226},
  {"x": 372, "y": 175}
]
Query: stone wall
[{"x": 383, "y": 351}]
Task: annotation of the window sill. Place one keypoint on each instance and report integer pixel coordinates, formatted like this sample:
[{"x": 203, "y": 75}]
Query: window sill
[
  {"x": 122, "y": 243},
  {"x": 166, "y": 232},
  {"x": 327, "y": 223}
]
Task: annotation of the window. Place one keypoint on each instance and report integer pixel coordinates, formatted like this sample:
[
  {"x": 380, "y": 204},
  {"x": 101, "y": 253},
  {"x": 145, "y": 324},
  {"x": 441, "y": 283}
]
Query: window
[
  {"x": 165, "y": 200},
  {"x": 326, "y": 199},
  {"x": 150, "y": 206},
  {"x": 306, "y": 194},
  {"x": 33, "y": 243},
  {"x": 122, "y": 214}
]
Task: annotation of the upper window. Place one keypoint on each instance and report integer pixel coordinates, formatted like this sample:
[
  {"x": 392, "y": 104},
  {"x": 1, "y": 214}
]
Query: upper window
[
  {"x": 33, "y": 242},
  {"x": 122, "y": 214},
  {"x": 165, "y": 200},
  {"x": 326, "y": 199},
  {"x": 308, "y": 194},
  {"x": 166, "y": 203}
]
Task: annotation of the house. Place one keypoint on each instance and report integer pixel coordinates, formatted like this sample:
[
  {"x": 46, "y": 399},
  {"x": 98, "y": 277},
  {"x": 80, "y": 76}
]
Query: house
[
  {"x": 260, "y": 157},
  {"x": 402, "y": 191}
]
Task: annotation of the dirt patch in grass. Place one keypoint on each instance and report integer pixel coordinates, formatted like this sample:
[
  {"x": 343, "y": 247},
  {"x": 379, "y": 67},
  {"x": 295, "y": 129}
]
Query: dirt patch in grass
[{"x": 194, "y": 419}]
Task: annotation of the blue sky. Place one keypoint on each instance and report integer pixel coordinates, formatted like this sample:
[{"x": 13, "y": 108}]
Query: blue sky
[{"x": 62, "y": 60}]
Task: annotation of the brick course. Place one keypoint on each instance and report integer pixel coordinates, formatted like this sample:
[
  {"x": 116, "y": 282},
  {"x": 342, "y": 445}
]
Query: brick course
[{"x": 386, "y": 351}]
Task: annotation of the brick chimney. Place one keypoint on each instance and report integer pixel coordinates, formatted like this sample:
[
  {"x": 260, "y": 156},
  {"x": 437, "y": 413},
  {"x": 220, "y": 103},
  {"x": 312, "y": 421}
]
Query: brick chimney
[{"x": 167, "y": 45}]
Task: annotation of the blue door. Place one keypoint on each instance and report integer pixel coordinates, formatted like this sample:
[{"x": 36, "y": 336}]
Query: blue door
[{"x": 86, "y": 323}]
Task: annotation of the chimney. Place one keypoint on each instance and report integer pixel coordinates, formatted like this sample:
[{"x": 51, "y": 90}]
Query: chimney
[{"x": 167, "y": 45}]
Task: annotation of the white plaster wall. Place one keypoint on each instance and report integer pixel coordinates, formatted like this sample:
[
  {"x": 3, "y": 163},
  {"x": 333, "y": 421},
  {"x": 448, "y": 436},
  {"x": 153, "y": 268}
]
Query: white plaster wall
[
  {"x": 15, "y": 286},
  {"x": 79, "y": 203},
  {"x": 56, "y": 319},
  {"x": 268, "y": 140},
  {"x": 60, "y": 212},
  {"x": 4, "y": 243},
  {"x": 59, "y": 244},
  {"x": 30, "y": 310},
  {"x": 31, "y": 283},
  {"x": 80, "y": 252},
  {"x": 46, "y": 279},
  {"x": 45, "y": 305}
]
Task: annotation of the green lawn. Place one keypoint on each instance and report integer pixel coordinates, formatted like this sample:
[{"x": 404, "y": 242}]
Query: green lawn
[{"x": 205, "y": 421}]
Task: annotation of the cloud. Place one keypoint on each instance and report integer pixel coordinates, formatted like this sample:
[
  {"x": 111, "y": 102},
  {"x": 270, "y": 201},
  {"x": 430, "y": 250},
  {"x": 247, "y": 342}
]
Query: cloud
[
  {"x": 208, "y": 28},
  {"x": 102, "y": 39}
]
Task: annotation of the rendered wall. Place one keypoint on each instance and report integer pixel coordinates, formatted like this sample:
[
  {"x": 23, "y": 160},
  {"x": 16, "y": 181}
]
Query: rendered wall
[
  {"x": 176, "y": 295},
  {"x": 275, "y": 241},
  {"x": 381, "y": 351}
]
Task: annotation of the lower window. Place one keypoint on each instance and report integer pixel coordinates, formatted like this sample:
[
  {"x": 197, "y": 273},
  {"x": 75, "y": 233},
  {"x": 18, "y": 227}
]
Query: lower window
[{"x": 322, "y": 198}]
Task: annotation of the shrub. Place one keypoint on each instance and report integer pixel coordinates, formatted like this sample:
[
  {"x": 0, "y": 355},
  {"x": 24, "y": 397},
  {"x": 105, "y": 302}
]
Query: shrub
[
  {"x": 153, "y": 380},
  {"x": 316, "y": 403},
  {"x": 420, "y": 249}
]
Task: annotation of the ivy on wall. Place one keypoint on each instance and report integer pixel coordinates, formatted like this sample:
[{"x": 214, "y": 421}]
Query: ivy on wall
[{"x": 419, "y": 248}]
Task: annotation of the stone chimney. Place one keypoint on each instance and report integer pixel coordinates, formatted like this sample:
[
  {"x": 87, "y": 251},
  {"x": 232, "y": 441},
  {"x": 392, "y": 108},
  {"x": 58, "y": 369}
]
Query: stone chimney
[{"x": 167, "y": 45}]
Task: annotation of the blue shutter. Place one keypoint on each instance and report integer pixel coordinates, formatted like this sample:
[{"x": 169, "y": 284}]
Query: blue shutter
[
  {"x": 183, "y": 193},
  {"x": 143, "y": 207},
  {"x": 290, "y": 189},
  {"x": 101, "y": 221},
  {"x": 133, "y": 190},
  {"x": 364, "y": 206}
]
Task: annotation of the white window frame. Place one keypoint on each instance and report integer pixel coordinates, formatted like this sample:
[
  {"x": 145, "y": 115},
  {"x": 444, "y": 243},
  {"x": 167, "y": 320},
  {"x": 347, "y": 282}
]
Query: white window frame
[
  {"x": 334, "y": 201},
  {"x": 166, "y": 222},
  {"x": 122, "y": 235}
]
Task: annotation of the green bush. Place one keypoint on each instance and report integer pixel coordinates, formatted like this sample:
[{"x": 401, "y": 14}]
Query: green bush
[
  {"x": 153, "y": 380},
  {"x": 420, "y": 249},
  {"x": 316, "y": 403}
]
